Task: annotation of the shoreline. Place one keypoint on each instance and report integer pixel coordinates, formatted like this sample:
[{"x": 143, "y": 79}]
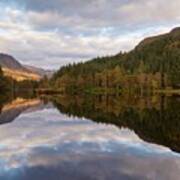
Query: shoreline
[
  {"x": 168, "y": 91},
  {"x": 102, "y": 91}
]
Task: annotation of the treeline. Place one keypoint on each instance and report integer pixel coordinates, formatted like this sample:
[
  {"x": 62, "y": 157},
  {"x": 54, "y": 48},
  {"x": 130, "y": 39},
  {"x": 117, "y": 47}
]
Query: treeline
[{"x": 153, "y": 64}]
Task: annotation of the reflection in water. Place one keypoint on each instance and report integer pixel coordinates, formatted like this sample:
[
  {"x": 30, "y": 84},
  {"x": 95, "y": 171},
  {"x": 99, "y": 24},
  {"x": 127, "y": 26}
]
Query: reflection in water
[
  {"x": 12, "y": 110},
  {"x": 44, "y": 144},
  {"x": 154, "y": 119}
]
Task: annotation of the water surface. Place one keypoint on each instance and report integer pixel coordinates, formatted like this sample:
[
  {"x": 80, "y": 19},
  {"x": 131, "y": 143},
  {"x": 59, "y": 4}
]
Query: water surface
[{"x": 97, "y": 138}]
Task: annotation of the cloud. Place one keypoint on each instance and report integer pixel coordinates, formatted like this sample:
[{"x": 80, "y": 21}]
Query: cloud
[
  {"x": 104, "y": 13},
  {"x": 54, "y": 33}
]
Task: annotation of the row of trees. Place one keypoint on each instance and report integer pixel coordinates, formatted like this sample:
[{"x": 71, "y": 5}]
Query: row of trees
[{"x": 115, "y": 79}]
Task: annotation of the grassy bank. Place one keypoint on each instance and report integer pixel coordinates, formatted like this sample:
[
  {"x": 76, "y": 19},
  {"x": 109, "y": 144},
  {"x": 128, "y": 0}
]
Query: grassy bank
[
  {"x": 168, "y": 91},
  {"x": 105, "y": 91}
]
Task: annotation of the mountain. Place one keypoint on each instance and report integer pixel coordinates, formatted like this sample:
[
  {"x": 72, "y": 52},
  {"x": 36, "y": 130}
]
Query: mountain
[
  {"x": 40, "y": 71},
  {"x": 12, "y": 68},
  {"x": 7, "y": 61},
  {"x": 172, "y": 35},
  {"x": 153, "y": 64},
  {"x": 12, "y": 110}
]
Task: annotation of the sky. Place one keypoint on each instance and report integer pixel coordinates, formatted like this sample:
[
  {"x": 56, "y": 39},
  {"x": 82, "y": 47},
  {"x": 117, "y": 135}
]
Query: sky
[{"x": 53, "y": 33}]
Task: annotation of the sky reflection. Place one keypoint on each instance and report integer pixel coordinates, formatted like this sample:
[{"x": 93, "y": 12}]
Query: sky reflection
[{"x": 45, "y": 144}]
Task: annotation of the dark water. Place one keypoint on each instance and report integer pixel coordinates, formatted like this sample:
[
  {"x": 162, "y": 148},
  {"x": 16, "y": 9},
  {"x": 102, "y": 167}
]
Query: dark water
[{"x": 90, "y": 138}]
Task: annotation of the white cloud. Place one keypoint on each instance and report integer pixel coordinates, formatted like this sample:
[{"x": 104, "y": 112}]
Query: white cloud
[{"x": 54, "y": 33}]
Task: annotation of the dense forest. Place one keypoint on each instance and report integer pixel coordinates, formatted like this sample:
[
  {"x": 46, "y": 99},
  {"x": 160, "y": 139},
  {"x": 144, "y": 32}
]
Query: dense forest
[{"x": 154, "y": 64}]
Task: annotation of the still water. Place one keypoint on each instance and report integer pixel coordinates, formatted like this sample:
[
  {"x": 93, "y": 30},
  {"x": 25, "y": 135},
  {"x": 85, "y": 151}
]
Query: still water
[{"x": 90, "y": 138}]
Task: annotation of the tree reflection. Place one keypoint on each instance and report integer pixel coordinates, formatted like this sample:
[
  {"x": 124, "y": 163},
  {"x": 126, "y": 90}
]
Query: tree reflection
[{"x": 154, "y": 119}]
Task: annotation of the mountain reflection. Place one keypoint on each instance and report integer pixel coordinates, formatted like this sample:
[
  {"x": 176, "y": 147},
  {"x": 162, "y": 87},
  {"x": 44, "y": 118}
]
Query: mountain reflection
[
  {"x": 13, "y": 109},
  {"x": 155, "y": 119}
]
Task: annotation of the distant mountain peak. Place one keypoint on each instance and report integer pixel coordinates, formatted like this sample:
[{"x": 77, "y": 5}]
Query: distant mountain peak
[
  {"x": 177, "y": 29},
  {"x": 15, "y": 69},
  {"x": 7, "y": 61},
  {"x": 173, "y": 34},
  {"x": 40, "y": 71}
]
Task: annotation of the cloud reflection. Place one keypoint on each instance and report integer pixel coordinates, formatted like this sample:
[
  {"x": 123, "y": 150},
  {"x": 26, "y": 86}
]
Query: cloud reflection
[{"x": 48, "y": 145}]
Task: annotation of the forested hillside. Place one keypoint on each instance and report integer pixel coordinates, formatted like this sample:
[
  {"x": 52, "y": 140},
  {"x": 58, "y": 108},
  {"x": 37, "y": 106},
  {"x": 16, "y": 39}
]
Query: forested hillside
[{"x": 153, "y": 64}]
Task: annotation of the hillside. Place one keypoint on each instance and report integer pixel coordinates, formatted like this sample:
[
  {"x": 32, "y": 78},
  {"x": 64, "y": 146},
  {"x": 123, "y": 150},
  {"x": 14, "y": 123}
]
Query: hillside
[
  {"x": 12, "y": 68},
  {"x": 12, "y": 110},
  {"x": 41, "y": 72},
  {"x": 8, "y": 62},
  {"x": 20, "y": 75},
  {"x": 153, "y": 64}
]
